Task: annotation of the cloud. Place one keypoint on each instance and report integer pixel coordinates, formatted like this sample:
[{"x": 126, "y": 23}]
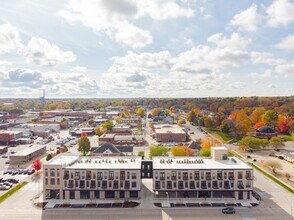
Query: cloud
[
  {"x": 9, "y": 38},
  {"x": 79, "y": 69},
  {"x": 286, "y": 43},
  {"x": 234, "y": 41},
  {"x": 285, "y": 69},
  {"x": 116, "y": 19},
  {"x": 27, "y": 82},
  {"x": 136, "y": 78},
  {"x": 40, "y": 52},
  {"x": 280, "y": 12},
  {"x": 265, "y": 58},
  {"x": 266, "y": 74},
  {"x": 271, "y": 86},
  {"x": 247, "y": 20}
]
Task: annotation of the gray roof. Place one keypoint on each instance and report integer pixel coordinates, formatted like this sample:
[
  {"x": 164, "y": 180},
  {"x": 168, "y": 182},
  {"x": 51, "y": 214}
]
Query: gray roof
[{"x": 114, "y": 149}]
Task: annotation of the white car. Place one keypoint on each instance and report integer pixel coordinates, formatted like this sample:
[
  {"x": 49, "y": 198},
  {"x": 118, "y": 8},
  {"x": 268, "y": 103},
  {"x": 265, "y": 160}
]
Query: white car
[
  {"x": 3, "y": 187},
  {"x": 8, "y": 184}
]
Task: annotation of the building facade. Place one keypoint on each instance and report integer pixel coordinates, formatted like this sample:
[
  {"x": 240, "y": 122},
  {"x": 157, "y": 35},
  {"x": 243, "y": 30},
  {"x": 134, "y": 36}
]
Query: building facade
[
  {"x": 169, "y": 133},
  {"x": 195, "y": 177},
  {"x": 74, "y": 177}
]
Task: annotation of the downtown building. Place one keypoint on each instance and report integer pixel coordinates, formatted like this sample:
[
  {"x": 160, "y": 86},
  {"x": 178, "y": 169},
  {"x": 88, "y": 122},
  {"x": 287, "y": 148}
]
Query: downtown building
[
  {"x": 76, "y": 177},
  {"x": 219, "y": 177},
  {"x": 119, "y": 177}
]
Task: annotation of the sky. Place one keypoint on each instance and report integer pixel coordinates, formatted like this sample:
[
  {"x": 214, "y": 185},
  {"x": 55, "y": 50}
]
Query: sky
[{"x": 146, "y": 48}]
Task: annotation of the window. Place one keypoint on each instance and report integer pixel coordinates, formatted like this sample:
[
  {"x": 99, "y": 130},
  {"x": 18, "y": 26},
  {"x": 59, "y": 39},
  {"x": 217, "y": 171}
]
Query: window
[
  {"x": 203, "y": 185},
  {"x": 175, "y": 184},
  {"x": 231, "y": 176},
  {"x": 240, "y": 185},
  {"x": 58, "y": 172},
  {"x": 77, "y": 175},
  {"x": 127, "y": 184},
  {"x": 134, "y": 176},
  {"x": 214, "y": 185},
  {"x": 169, "y": 185},
  {"x": 191, "y": 175},
  {"x": 202, "y": 175},
  {"x": 121, "y": 184},
  {"x": 208, "y": 184},
  {"x": 157, "y": 184},
  {"x": 115, "y": 184},
  {"x": 52, "y": 181},
  {"x": 179, "y": 175},
  {"x": 167, "y": 176},
  {"x": 162, "y": 175},
  {"x": 197, "y": 184},
  {"x": 111, "y": 175},
  {"x": 192, "y": 185},
  {"x": 70, "y": 184},
  {"x": 248, "y": 195},
  {"x": 134, "y": 184},
  {"x": 225, "y": 175},
  {"x": 52, "y": 172},
  {"x": 88, "y": 183},
  {"x": 58, "y": 181},
  {"x": 156, "y": 175},
  {"x": 248, "y": 175},
  {"x": 240, "y": 175},
  {"x": 76, "y": 183},
  {"x": 128, "y": 175},
  {"x": 110, "y": 184},
  {"x": 196, "y": 175},
  {"x": 122, "y": 175},
  {"x": 82, "y": 183},
  {"x": 174, "y": 175},
  {"x": 65, "y": 183},
  {"x": 88, "y": 175},
  {"x": 219, "y": 175},
  {"x": 94, "y": 175},
  {"x": 232, "y": 184},
  {"x": 99, "y": 184},
  {"x": 104, "y": 184},
  {"x": 181, "y": 185},
  {"x": 163, "y": 184},
  {"x": 66, "y": 175},
  {"x": 46, "y": 172},
  {"x": 46, "y": 181},
  {"x": 93, "y": 184},
  {"x": 185, "y": 176},
  {"x": 99, "y": 176},
  {"x": 186, "y": 184},
  {"x": 227, "y": 184},
  {"x": 105, "y": 175},
  {"x": 248, "y": 184},
  {"x": 208, "y": 175}
]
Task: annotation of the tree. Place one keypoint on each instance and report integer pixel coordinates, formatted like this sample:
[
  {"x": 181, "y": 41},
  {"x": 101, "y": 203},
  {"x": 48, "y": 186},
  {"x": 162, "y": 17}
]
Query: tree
[
  {"x": 226, "y": 126},
  {"x": 204, "y": 152},
  {"x": 98, "y": 132},
  {"x": 258, "y": 125},
  {"x": 91, "y": 121},
  {"x": 108, "y": 125},
  {"x": 206, "y": 143},
  {"x": 37, "y": 164},
  {"x": 196, "y": 111},
  {"x": 273, "y": 165},
  {"x": 158, "y": 151},
  {"x": 49, "y": 157},
  {"x": 276, "y": 142},
  {"x": 256, "y": 114},
  {"x": 208, "y": 122},
  {"x": 84, "y": 144},
  {"x": 155, "y": 112},
  {"x": 284, "y": 125},
  {"x": 248, "y": 142},
  {"x": 182, "y": 151},
  {"x": 141, "y": 153},
  {"x": 270, "y": 118},
  {"x": 140, "y": 112}
]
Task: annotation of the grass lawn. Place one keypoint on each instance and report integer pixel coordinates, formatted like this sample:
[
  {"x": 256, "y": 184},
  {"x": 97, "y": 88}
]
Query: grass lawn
[
  {"x": 285, "y": 137},
  {"x": 220, "y": 135},
  {"x": 12, "y": 191}
]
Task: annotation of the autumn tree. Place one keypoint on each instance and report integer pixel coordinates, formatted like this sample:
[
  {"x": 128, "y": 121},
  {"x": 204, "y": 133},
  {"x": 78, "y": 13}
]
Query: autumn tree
[
  {"x": 276, "y": 142},
  {"x": 182, "y": 151},
  {"x": 273, "y": 165},
  {"x": 270, "y": 118},
  {"x": 226, "y": 126},
  {"x": 206, "y": 143},
  {"x": 284, "y": 125},
  {"x": 37, "y": 164},
  {"x": 49, "y": 157},
  {"x": 155, "y": 112},
  {"x": 157, "y": 151},
  {"x": 208, "y": 122},
  {"x": 256, "y": 115},
  {"x": 140, "y": 112},
  {"x": 98, "y": 132},
  {"x": 258, "y": 125},
  {"x": 196, "y": 111},
  {"x": 108, "y": 125},
  {"x": 204, "y": 152},
  {"x": 84, "y": 144}
]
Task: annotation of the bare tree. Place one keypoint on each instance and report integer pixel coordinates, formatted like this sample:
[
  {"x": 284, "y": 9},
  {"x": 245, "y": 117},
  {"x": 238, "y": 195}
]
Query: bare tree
[{"x": 273, "y": 165}]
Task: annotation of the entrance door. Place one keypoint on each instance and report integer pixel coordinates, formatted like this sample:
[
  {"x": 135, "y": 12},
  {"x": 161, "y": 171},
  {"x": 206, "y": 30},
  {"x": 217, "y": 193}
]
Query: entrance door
[{"x": 240, "y": 195}]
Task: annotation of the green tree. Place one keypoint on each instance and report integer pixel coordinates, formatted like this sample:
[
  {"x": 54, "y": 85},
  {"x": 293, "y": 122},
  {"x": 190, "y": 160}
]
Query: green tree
[
  {"x": 84, "y": 145},
  {"x": 98, "y": 132},
  {"x": 91, "y": 121},
  {"x": 248, "y": 142},
  {"x": 140, "y": 112},
  {"x": 158, "y": 151},
  {"x": 108, "y": 125},
  {"x": 49, "y": 157},
  {"x": 276, "y": 142},
  {"x": 204, "y": 152},
  {"x": 270, "y": 118}
]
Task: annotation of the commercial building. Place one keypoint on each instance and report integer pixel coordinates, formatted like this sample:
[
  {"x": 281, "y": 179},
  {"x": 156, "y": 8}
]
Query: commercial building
[
  {"x": 9, "y": 137},
  {"x": 195, "y": 177},
  {"x": 169, "y": 133},
  {"x": 21, "y": 158},
  {"x": 76, "y": 177}
]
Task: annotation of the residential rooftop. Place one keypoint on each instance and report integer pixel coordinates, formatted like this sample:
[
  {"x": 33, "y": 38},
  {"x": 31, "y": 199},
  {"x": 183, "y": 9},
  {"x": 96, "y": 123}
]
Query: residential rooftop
[
  {"x": 191, "y": 163},
  {"x": 97, "y": 162}
]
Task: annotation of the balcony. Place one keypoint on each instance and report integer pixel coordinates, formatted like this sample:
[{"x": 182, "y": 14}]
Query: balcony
[
  {"x": 66, "y": 177},
  {"x": 203, "y": 187},
  {"x": 227, "y": 186}
]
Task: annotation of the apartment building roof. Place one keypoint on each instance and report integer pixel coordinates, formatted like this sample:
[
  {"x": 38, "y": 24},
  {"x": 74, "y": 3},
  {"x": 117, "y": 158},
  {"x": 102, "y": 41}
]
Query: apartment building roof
[
  {"x": 173, "y": 129},
  {"x": 194, "y": 163},
  {"x": 97, "y": 162}
]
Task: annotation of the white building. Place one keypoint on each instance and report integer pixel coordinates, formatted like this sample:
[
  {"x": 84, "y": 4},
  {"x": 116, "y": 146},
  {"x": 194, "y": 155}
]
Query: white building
[
  {"x": 76, "y": 177},
  {"x": 195, "y": 177}
]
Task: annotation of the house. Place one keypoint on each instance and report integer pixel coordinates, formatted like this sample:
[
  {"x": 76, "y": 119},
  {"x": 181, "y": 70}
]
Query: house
[
  {"x": 108, "y": 149},
  {"x": 265, "y": 131}
]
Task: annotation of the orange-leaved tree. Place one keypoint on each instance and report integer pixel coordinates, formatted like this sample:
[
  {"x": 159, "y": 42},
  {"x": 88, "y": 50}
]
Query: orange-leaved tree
[{"x": 182, "y": 151}]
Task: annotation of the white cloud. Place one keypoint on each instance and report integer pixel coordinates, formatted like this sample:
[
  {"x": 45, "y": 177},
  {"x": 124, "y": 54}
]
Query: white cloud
[
  {"x": 247, "y": 20},
  {"x": 115, "y": 17},
  {"x": 9, "y": 38},
  {"x": 271, "y": 86},
  {"x": 265, "y": 58},
  {"x": 40, "y": 52},
  {"x": 79, "y": 69},
  {"x": 235, "y": 41},
  {"x": 280, "y": 12},
  {"x": 266, "y": 74},
  {"x": 27, "y": 82},
  {"x": 285, "y": 69},
  {"x": 286, "y": 43}
]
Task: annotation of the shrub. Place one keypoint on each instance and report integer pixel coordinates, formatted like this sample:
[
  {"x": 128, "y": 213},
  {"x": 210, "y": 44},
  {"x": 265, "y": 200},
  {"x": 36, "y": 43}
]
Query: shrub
[
  {"x": 49, "y": 157},
  {"x": 281, "y": 157}
]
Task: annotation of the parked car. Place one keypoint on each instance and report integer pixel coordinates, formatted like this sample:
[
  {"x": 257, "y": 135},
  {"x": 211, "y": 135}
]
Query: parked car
[
  {"x": 14, "y": 181},
  {"x": 7, "y": 162},
  {"x": 14, "y": 172},
  {"x": 20, "y": 172},
  {"x": 12, "y": 152},
  {"x": 25, "y": 171},
  {"x": 31, "y": 171},
  {"x": 8, "y": 184},
  {"x": 229, "y": 210},
  {"x": 4, "y": 187},
  {"x": 5, "y": 156}
]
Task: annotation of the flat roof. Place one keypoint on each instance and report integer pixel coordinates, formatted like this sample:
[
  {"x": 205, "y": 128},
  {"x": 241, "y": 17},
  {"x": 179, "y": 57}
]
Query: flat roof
[
  {"x": 195, "y": 163},
  {"x": 9, "y": 132},
  {"x": 173, "y": 129},
  {"x": 27, "y": 151},
  {"x": 97, "y": 162}
]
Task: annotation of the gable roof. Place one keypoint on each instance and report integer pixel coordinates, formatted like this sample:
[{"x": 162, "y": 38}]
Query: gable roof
[{"x": 104, "y": 147}]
